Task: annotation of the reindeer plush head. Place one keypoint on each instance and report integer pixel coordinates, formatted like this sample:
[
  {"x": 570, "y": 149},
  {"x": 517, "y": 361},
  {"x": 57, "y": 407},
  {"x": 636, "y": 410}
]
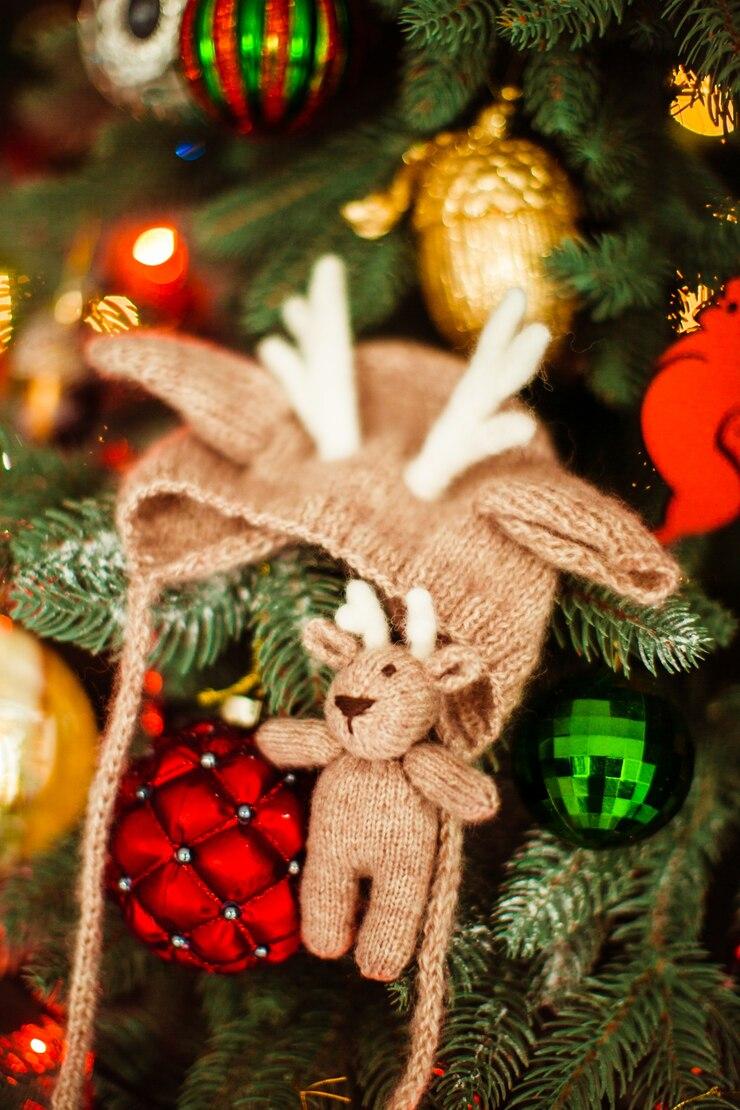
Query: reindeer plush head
[
  {"x": 386, "y": 696},
  {"x": 396, "y": 459}
]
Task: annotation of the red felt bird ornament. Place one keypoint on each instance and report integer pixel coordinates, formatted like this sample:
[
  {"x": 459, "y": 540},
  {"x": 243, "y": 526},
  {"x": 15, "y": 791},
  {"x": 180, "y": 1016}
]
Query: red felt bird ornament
[{"x": 691, "y": 421}]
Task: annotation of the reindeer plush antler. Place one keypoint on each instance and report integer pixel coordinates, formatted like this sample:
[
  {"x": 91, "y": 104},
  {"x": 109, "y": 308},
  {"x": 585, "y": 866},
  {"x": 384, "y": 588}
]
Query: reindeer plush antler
[
  {"x": 362, "y": 614},
  {"x": 244, "y": 479}
]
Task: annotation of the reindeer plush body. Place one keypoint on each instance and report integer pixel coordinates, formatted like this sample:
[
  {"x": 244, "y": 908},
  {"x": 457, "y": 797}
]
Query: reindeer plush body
[
  {"x": 375, "y": 808},
  {"x": 411, "y": 468}
]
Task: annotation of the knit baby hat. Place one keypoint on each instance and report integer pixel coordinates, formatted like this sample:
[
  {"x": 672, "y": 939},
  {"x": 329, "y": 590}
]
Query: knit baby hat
[{"x": 403, "y": 463}]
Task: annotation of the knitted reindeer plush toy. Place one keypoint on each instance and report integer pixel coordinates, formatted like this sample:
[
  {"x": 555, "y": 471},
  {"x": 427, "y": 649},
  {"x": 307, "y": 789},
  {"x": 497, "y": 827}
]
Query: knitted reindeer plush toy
[
  {"x": 416, "y": 472},
  {"x": 375, "y": 807}
]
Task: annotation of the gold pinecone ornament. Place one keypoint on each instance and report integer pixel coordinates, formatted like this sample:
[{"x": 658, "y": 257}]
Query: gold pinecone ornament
[{"x": 487, "y": 210}]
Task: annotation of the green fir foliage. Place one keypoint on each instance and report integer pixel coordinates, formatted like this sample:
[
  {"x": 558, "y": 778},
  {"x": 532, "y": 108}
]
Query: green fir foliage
[
  {"x": 708, "y": 33},
  {"x": 269, "y": 1038},
  {"x": 449, "y": 51},
  {"x": 69, "y": 584},
  {"x": 243, "y": 221},
  {"x": 286, "y": 594},
  {"x": 553, "y": 892},
  {"x": 542, "y": 23},
  {"x": 676, "y": 635}
]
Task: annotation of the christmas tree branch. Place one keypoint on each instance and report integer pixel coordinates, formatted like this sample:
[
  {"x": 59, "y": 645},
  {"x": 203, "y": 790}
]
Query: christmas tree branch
[
  {"x": 708, "y": 33},
  {"x": 449, "y": 48},
  {"x": 286, "y": 594},
  {"x": 69, "y": 584},
  {"x": 542, "y": 23},
  {"x": 552, "y": 891},
  {"x": 605, "y": 1041},
  {"x": 33, "y": 479},
  {"x": 486, "y": 1044},
  {"x": 677, "y": 635},
  {"x": 274, "y": 1045},
  {"x": 561, "y": 91},
  {"x": 614, "y": 272}
]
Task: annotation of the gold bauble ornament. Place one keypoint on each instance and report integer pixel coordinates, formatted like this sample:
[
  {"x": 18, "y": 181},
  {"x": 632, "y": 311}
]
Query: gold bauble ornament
[
  {"x": 48, "y": 740},
  {"x": 487, "y": 210}
]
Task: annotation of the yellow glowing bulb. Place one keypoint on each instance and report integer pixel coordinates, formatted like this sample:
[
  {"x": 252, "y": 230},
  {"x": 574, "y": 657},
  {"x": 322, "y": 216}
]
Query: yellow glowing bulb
[
  {"x": 155, "y": 246},
  {"x": 699, "y": 105},
  {"x": 68, "y": 307},
  {"x": 37, "y": 1045},
  {"x": 6, "y": 312}
]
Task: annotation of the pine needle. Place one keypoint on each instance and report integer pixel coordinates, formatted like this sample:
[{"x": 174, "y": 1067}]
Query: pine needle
[{"x": 676, "y": 635}]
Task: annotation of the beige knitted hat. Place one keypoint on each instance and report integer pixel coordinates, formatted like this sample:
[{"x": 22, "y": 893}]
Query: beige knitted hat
[{"x": 395, "y": 459}]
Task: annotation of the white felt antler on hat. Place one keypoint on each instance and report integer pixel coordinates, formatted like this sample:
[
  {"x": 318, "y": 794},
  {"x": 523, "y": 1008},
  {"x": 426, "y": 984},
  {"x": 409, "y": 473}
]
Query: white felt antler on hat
[
  {"x": 318, "y": 372},
  {"x": 471, "y": 428}
]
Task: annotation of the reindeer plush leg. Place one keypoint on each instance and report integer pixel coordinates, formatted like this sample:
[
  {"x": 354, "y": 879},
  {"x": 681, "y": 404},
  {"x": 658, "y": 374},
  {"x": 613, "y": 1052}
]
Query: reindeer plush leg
[
  {"x": 390, "y": 929},
  {"x": 329, "y": 894}
]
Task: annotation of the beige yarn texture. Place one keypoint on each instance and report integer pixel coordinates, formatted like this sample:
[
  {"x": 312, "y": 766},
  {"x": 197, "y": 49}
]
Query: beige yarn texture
[
  {"x": 241, "y": 481},
  {"x": 375, "y": 806}
]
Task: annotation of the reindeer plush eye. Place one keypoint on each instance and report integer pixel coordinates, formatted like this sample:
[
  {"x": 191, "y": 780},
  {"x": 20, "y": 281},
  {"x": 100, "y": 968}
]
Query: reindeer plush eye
[
  {"x": 144, "y": 17},
  {"x": 388, "y": 670}
]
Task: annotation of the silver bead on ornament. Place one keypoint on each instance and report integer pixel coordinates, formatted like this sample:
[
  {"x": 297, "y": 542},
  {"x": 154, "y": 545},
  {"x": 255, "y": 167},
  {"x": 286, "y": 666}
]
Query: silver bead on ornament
[{"x": 131, "y": 50}]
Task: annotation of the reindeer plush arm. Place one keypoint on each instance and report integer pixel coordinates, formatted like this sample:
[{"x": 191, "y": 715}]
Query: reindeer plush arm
[
  {"x": 290, "y": 743},
  {"x": 460, "y": 790}
]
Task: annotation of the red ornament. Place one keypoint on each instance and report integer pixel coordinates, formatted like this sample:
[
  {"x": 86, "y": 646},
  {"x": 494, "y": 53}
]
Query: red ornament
[
  {"x": 204, "y": 851},
  {"x": 691, "y": 421},
  {"x": 32, "y": 1045},
  {"x": 264, "y": 67}
]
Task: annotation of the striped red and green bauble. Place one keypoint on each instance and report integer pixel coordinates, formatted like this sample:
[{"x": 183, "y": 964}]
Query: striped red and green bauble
[{"x": 264, "y": 65}]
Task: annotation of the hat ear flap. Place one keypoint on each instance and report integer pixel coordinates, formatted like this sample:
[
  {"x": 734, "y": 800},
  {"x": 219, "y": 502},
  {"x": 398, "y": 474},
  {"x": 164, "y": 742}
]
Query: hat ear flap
[
  {"x": 229, "y": 401},
  {"x": 570, "y": 525},
  {"x": 328, "y": 644}
]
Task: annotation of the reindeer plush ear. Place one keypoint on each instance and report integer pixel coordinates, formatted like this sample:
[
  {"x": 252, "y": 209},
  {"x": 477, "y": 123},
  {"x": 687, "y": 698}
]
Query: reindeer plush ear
[
  {"x": 229, "y": 401},
  {"x": 454, "y": 668},
  {"x": 569, "y": 524},
  {"x": 330, "y": 645}
]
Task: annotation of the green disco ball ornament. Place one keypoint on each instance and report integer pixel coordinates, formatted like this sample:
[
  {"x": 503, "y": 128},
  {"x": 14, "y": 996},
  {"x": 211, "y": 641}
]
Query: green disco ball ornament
[{"x": 603, "y": 766}]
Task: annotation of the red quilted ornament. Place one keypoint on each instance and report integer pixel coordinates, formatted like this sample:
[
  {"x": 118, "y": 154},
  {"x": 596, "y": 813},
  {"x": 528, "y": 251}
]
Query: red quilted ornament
[
  {"x": 204, "y": 851},
  {"x": 691, "y": 421}
]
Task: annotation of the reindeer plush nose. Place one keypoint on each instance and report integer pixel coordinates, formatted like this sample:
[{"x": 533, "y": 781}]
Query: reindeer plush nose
[{"x": 352, "y": 707}]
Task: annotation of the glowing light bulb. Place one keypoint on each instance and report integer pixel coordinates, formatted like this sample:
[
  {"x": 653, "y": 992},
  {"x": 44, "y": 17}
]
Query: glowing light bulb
[
  {"x": 6, "y": 312},
  {"x": 38, "y": 1046},
  {"x": 155, "y": 246},
  {"x": 68, "y": 307}
]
